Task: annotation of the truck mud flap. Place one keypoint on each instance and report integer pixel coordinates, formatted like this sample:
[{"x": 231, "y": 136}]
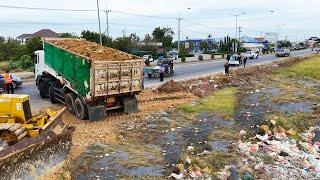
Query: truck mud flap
[
  {"x": 96, "y": 113},
  {"x": 130, "y": 105},
  {"x": 31, "y": 157}
]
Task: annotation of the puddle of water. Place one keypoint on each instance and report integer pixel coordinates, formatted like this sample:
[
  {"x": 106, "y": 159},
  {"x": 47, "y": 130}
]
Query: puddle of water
[
  {"x": 219, "y": 145},
  {"x": 292, "y": 107},
  {"x": 98, "y": 163}
]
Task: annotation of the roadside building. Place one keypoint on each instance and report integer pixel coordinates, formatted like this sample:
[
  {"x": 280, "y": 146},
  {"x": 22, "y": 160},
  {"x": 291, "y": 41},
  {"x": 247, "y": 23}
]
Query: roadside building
[
  {"x": 258, "y": 44},
  {"x": 43, "y": 33},
  {"x": 313, "y": 41},
  {"x": 194, "y": 45}
]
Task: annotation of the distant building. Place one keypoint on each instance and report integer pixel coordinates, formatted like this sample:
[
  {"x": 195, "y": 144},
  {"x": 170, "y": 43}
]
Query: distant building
[
  {"x": 254, "y": 44},
  {"x": 43, "y": 33},
  {"x": 193, "y": 45},
  {"x": 271, "y": 37},
  {"x": 313, "y": 41}
]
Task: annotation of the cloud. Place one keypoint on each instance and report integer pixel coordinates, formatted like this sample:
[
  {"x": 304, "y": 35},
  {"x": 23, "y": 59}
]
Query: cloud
[{"x": 204, "y": 17}]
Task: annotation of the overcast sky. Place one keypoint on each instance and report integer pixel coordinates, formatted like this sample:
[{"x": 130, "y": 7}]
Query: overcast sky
[{"x": 300, "y": 17}]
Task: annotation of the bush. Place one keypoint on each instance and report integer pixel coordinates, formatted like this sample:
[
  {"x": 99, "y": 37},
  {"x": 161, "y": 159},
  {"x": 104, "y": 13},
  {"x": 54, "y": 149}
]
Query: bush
[
  {"x": 212, "y": 56},
  {"x": 186, "y": 55},
  {"x": 200, "y": 58},
  {"x": 189, "y": 55},
  {"x": 25, "y": 62},
  {"x": 183, "y": 59}
]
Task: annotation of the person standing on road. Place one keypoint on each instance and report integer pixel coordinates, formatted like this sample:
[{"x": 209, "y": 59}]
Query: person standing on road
[
  {"x": 244, "y": 62},
  {"x": 8, "y": 82},
  {"x": 162, "y": 70},
  {"x": 226, "y": 68}
]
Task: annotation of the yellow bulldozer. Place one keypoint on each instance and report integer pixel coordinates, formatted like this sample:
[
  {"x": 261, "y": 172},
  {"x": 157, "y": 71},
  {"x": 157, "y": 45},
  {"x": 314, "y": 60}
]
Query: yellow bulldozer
[
  {"x": 25, "y": 139},
  {"x": 16, "y": 121}
]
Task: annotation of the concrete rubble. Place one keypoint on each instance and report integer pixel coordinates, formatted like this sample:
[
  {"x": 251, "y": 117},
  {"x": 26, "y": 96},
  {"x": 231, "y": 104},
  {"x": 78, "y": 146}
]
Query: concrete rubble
[{"x": 274, "y": 155}]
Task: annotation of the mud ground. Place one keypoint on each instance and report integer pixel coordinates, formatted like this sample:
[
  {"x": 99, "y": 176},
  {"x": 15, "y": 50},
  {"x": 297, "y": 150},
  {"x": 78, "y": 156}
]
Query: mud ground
[{"x": 151, "y": 143}]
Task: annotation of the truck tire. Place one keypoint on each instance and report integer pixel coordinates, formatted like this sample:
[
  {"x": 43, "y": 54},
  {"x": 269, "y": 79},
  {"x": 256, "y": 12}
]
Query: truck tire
[
  {"x": 69, "y": 101},
  {"x": 52, "y": 96},
  {"x": 42, "y": 89},
  {"x": 80, "y": 109}
]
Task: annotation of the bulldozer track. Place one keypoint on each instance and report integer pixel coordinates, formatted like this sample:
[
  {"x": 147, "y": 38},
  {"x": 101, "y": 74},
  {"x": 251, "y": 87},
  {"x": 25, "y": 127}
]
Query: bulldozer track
[{"x": 12, "y": 132}]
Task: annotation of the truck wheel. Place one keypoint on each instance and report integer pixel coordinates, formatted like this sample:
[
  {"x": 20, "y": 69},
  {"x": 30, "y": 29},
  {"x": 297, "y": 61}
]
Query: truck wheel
[
  {"x": 69, "y": 100},
  {"x": 80, "y": 110},
  {"x": 52, "y": 96},
  {"x": 42, "y": 89}
]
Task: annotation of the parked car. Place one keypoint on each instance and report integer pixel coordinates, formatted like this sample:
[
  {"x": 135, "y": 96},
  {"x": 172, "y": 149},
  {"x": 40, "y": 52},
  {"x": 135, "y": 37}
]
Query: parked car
[
  {"x": 148, "y": 57},
  {"x": 251, "y": 55},
  {"x": 282, "y": 52},
  {"x": 17, "y": 81},
  {"x": 154, "y": 72},
  {"x": 1, "y": 84},
  {"x": 236, "y": 59}
]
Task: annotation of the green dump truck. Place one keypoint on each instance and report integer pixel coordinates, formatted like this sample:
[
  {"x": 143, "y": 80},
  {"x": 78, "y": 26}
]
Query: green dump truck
[{"x": 88, "y": 78}]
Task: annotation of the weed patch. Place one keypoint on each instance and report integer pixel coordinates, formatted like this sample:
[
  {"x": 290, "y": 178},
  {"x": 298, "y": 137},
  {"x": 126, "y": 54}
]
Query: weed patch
[
  {"x": 222, "y": 102},
  {"x": 308, "y": 68}
]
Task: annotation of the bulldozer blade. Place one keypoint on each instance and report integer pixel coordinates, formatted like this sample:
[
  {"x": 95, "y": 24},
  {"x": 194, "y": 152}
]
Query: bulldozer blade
[{"x": 31, "y": 157}]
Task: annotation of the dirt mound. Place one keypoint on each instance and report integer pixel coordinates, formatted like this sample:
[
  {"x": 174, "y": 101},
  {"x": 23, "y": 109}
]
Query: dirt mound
[
  {"x": 92, "y": 50},
  {"x": 171, "y": 87}
]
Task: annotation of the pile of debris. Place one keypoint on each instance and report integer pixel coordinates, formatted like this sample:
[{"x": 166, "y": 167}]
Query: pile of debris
[
  {"x": 171, "y": 87},
  {"x": 275, "y": 155},
  {"x": 187, "y": 170},
  {"x": 91, "y": 50}
]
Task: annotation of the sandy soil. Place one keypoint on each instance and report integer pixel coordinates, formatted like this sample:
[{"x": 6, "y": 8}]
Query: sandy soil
[{"x": 93, "y": 51}]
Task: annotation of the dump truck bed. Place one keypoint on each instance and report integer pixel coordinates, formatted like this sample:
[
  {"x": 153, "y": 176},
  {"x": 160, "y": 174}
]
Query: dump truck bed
[{"x": 95, "y": 77}]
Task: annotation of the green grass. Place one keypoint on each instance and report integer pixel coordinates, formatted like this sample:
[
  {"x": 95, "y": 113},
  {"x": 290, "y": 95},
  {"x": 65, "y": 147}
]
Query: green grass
[
  {"x": 222, "y": 102},
  {"x": 309, "y": 68}
]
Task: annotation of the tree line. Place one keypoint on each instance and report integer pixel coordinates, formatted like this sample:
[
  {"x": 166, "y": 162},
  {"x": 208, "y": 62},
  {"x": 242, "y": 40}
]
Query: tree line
[{"x": 14, "y": 54}]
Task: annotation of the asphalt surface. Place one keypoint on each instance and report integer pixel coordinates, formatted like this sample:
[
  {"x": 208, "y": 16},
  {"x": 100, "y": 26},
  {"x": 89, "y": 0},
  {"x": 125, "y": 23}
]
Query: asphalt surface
[{"x": 182, "y": 72}]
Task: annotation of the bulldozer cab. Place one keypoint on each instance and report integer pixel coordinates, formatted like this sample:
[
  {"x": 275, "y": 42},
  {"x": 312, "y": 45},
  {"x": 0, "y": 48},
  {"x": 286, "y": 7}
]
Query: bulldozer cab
[{"x": 14, "y": 108}]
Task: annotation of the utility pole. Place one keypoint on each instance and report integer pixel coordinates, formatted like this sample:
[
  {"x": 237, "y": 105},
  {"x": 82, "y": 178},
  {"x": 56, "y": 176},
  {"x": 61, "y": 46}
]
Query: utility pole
[
  {"x": 99, "y": 22},
  {"x": 278, "y": 35},
  {"x": 179, "y": 31},
  {"x": 236, "y": 37},
  {"x": 240, "y": 34},
  {"x": 107, "y": 16}
]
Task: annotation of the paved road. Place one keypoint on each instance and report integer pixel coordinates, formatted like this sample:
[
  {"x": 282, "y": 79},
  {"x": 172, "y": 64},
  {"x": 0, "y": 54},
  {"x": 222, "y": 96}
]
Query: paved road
[
  {"x": 182, "y": 72},
  {"x": 195, "y": 70}
]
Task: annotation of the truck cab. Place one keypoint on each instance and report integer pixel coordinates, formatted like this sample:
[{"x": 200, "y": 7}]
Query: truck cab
[{"x": 40, "y": 66}]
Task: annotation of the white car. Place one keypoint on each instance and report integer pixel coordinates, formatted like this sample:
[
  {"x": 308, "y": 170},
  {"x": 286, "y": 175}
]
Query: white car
[
  {"x": 251, "y": 55},
  {"x": 148, "y": 57},
  {"x": 234, "y": 60}
]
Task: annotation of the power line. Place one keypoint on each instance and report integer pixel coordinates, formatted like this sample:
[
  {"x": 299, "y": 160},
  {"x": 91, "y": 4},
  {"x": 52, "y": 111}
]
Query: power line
[
  {"x": 143, "y": 15},
  {"x": 47, "y": 9}
]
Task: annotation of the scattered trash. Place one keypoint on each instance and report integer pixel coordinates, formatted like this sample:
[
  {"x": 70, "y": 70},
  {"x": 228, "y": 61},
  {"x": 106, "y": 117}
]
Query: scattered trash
[
  {"x": 264, "y": 129},
  {"x": 242, "y": 133},
  {"x": 288, "y": 158},
  {"x": 247, "y": 176},
  {"x": 177, "y": 176},
  {"x": 190, "y": 148}
]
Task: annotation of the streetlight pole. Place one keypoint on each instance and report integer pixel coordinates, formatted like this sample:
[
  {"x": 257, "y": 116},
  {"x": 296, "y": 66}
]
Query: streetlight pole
[
  {"x": 179, "y": 31},
  {"x": 278, "y": 34},
  {"x": 107, "y": 16},
  {"x": 99, "y": 22},
  {"x": 236, "y": 36}
]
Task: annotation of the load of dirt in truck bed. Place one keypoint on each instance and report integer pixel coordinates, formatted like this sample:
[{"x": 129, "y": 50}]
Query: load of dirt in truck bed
[{"x": 93, "y": 51}]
